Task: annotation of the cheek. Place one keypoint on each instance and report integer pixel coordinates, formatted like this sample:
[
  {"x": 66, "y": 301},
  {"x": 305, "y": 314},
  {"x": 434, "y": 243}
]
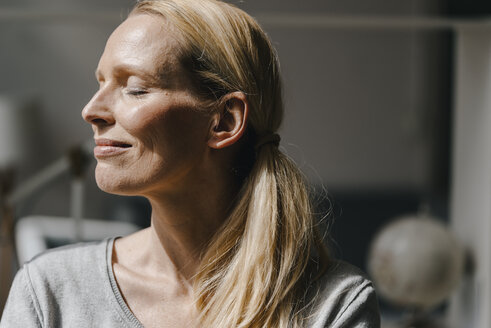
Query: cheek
[
  {"x": 135, "y": 119},
  {"x": 162, "y": 128}
]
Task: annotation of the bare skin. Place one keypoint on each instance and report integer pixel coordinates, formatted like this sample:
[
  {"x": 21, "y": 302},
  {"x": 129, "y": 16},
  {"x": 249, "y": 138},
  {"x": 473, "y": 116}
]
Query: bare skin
[{"x": 154, "y": 139}]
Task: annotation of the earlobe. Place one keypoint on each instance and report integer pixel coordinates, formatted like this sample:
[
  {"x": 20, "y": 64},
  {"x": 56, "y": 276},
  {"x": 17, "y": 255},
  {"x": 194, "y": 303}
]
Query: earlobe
[{"x": 230, "y": 121}]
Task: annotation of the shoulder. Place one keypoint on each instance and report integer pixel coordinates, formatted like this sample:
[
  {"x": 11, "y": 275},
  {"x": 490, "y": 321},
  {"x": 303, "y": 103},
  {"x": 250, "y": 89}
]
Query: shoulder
[
  {"x": 342, "y": 276},
  {"x": 68, "y": 261},
  {"x": 344, "y": 297},
  {"x": 59, "y": 281},
  {"x": 67, "y": 270}
]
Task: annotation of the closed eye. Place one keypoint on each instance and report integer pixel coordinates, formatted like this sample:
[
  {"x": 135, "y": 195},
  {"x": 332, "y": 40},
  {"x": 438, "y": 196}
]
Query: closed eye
[{"x": 137, "y": 92}]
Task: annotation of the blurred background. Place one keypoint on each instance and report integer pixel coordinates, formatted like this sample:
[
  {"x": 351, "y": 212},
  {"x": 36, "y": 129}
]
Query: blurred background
[{"x": 387, "y": 113}]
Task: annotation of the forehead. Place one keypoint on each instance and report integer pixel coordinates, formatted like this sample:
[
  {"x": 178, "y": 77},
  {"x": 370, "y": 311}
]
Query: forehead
[{"x": 143, "y": 41}]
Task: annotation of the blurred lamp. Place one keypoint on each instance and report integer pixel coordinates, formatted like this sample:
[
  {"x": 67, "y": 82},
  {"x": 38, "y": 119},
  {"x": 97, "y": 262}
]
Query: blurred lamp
[
  {"x": 12, "y": 133},
  {"x": 12, "y": 151}
]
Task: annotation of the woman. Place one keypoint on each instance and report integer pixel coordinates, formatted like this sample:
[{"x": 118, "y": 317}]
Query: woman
[{"x": 186, "y": 115}]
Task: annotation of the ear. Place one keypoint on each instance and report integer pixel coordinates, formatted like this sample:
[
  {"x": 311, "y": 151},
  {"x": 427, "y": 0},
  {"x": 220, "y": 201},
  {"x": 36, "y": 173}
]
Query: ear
[{"x": 230, "y": 121}]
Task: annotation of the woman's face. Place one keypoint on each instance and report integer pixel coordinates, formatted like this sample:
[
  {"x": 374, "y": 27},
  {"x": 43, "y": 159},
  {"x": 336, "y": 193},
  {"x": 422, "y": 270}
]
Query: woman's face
[{"x": 150, "y": 130}]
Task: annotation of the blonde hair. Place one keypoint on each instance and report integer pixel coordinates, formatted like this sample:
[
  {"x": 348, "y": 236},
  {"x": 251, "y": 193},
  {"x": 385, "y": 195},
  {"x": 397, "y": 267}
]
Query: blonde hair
[{"x": 252, "y": 273}]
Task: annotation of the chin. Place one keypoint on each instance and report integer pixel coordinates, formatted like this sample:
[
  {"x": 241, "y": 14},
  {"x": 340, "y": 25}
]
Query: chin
[{"x": 114, "y": 183}]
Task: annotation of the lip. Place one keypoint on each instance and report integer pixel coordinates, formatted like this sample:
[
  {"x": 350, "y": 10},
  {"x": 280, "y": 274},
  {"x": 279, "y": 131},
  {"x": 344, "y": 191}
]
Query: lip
[{"x": 109, "y": 147}]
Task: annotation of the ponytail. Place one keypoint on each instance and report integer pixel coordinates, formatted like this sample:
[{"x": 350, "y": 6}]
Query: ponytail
[{"x": 252, "y": 273}]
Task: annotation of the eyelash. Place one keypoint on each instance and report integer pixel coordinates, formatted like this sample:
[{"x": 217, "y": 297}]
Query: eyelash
[{"x": 137, "y": 93}]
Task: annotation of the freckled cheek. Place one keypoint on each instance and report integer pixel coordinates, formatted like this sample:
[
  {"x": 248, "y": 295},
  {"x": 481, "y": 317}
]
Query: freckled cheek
[
  {"x": 141, "y": 123},
  {"x": 158, "y": 126},
  {"x": 136, "y": 118}
]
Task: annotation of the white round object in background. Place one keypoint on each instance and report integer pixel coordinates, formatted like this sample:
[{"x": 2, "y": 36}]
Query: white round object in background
[{"x": 415, "y": 262}]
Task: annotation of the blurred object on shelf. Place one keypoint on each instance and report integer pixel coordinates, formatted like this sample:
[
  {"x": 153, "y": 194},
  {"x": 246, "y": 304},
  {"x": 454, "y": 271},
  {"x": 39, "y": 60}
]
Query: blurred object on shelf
[{"x": 416, "y": 263}]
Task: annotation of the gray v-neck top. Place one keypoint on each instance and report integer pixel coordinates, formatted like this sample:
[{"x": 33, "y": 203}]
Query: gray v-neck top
[{"x": 74, "y": 286}]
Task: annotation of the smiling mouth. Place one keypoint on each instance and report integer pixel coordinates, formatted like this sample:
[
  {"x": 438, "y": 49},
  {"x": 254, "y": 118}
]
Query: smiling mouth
[
  {"x": 108, "y": 147},
  {"x": 111, "y": 143}
]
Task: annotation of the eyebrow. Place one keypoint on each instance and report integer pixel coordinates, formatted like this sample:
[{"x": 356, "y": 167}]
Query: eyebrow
[{"x": 119, "y": 70}]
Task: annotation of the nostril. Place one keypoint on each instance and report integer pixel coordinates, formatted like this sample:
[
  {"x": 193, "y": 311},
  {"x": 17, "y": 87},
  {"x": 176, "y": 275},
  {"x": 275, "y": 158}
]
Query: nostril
[{"x": 98, "y": 121}]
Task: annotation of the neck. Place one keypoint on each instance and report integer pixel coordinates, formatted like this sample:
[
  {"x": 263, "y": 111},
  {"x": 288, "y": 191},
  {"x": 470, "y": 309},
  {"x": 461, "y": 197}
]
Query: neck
[{"x": 183, "y": 223}]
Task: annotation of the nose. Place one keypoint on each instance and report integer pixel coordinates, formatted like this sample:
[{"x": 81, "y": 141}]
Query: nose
[{"x": 97, "y": 111}]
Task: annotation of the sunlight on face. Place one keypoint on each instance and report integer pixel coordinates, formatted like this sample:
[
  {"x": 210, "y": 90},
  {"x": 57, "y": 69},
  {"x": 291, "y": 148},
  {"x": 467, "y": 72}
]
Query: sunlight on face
[{"x": 149, "y": 127}]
